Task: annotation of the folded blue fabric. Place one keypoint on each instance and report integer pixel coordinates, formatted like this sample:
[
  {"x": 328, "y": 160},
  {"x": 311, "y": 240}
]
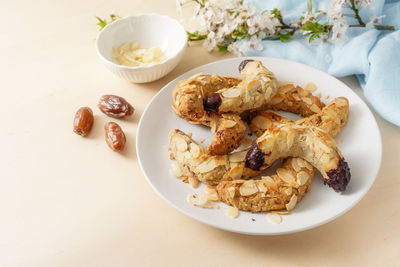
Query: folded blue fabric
[{"x": 372, "y": 55}]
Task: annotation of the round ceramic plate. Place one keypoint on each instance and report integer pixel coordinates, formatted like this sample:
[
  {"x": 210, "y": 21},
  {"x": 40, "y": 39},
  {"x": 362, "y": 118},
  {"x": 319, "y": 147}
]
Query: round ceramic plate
[{"x": 359, "y": 141}]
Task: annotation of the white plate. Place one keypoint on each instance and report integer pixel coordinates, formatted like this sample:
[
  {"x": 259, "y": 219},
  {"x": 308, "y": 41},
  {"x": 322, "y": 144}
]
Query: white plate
[{"x": 359, "y": 141}]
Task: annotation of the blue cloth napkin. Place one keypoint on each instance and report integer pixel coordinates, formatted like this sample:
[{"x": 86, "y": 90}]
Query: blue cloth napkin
[{"x": 372, "y": 55}]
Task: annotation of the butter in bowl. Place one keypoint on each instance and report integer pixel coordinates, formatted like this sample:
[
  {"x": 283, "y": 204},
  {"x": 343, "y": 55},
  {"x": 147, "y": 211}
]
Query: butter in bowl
[{"x": 142, "y": 48}]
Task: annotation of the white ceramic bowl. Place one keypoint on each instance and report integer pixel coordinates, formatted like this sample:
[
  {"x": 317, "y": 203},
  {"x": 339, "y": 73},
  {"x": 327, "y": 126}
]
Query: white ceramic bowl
[{"x": 149, "y": 30}]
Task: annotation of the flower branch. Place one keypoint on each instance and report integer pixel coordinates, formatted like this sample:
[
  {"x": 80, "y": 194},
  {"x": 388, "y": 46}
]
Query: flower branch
[{"x": 223, "y": 25}]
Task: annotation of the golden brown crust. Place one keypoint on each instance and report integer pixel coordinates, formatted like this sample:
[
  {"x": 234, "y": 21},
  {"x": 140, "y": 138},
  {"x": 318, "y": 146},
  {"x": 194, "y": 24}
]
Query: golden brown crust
[
  {"x": 331, "y": 118},
  {"x": 233, "y": 166},
  {"x": 255, "y": 90},
  {"x": 188, "y": 98},
  {"x": 308, "y": 142},
  {"x": 208, "y": 169},
  {"x": 272, "y": 192},
  {"x": 295, "y": 99}
]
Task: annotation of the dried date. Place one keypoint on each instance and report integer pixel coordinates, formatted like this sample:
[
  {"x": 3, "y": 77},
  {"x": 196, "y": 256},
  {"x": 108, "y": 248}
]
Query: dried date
[
  {"x": 115, "y": 106},
  {"x": 115, "y": 137},
  {"x": 83, "y": 121}
]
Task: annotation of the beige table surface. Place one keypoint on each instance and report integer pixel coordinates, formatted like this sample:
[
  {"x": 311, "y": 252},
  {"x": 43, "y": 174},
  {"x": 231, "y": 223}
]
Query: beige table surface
[{"x": 70, "y": 201}]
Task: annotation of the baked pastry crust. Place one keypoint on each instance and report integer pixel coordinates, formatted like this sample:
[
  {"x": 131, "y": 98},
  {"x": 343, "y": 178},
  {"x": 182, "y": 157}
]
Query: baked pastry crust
[
  {"x": 281, "y": 191},
  {"x": 188, "y": 96},
  {"x": 295, "y": 99},
  {"x": 308, "y": 142},
  {"x": 208, "y": 169},
  {"x": 190, "y": 155},
  {"x": 255, "y": 90},
  {"x": 330, "y": 119}
]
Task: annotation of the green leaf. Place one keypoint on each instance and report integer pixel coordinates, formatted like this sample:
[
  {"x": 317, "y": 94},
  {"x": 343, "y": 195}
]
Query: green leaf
[
  {"x": 101, "y": 23},
  {"x": 239, "y": 35},
  {"x": 195, "y": 36},
  {"x": 285, "y": 37},
  {"x": 313, "y": 26},
  {"x": 276, "y": 12},
  {"x": 222, "y": 47}
]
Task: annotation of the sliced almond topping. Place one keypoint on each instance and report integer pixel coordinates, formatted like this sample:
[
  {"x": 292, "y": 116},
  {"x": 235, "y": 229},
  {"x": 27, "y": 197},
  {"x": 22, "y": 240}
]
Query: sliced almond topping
[
  {"x": 236, "y": 172},
  {"x": 295, "y": 164},
  {"x": 301, "y": 162},
  {"x": 333, "y": 115},
  {"x": 302, "y": 92},
  {"x": 181, "y": 144},
  {"x": 342, "y": 101},
  {"x": 195, "y": 150},
  {"x": 315, "y": 108},
  {"x": 206, "y": 166},
  {"x": 306, "y": 100},
  {"x": 228, "y": 124},
  {"x": 233, "y": 212},
  {"x": 310, "y": 86},
  {"x": 285, "y": 175},
  {"x": 220, "y": 160},
  {"x": 197, "y": 200},
  {"x": 201, "y": 201},
  {"x": 231, "y": 191},
  {"x": 292, "y": 203},
  {"x": 248, "y": 188},
  {"x": 308, "y": 165},
  {"x": 175, "y": 170},
  {"x": 194, "y": 182},
  {"x": 288, "y": 191},
  {"x": 302, "y": 178},
  {"x": 276, "y": 99},
  {"x": 296, "y": 97},
  {"x": 261, "y": 122},
  {"x": 286, "y": 88},
  {"x": 233, "y": 92},
  {"x": 282, "y": 83},
  {"x": 318, "y": 95},
  {"x": 210, "y": 188},
  {"x": 274, "y": 218},
  {"x": 212, "y": 196},
  {"x": 270, "y": 183},
  {"x": 290, "y": 138},
  {"x": 238, "y": 156},
  {"x": 323, "y": 147},
  {"x": 283, "y": 212},
  {"x": 253, "y": 85},
  {"x": 261, "y": 186}
]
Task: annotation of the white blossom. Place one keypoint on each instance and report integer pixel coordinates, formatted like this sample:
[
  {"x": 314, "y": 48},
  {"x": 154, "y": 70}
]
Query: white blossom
[
  {"x": 255, "y": 43},
  {"x": 339, "y": 23},
  {"x": 373, "y": 20},
  {"x": 210, "y": 44},
  {"x": 262, "y": 22},
  {"x": 228, "y": 21},
  {"x": 235, "y": 48}
]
